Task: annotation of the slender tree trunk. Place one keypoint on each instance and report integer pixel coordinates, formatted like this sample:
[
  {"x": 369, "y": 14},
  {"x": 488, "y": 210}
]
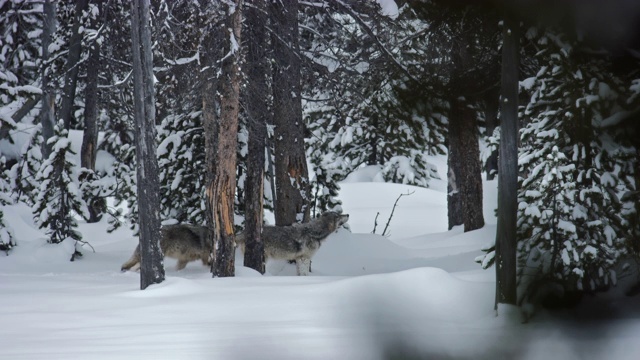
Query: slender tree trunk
[
  {"x": 257, "y": 111},
  {"x": 292, "y": 176},
  {"x": 506, "y": 241},
  {"x": 492, "y": 103},
  {"x": 92, "y": 96},
  {"x": 454, "y": 195},
  {"x": 221, "y": 152},
  {"x": 88, "y": 151},
  {"x": 71, "y": 67},
  {"x": 47, "y": 113},
  {"x": 151, "y": 257}
]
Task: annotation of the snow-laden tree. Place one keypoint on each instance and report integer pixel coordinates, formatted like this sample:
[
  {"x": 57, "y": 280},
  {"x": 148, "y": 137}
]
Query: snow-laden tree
[
  {"x": 59, "y": 198},
  {"x": 569, "y": 222},
  {"x": 363, "y": 105},
  {"x": 6, "y": 232},
  {"x": 181, "y": 154},
  {"x": 23, "y": 174},
  {"x": 20, "y": 27},
  {"x": 181, "y": 160}
]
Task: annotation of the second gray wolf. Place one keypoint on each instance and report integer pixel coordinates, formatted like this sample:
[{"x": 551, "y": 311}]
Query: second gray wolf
[
  {"x": 181, "y": 241},
  {"x": 298, "y": 242}
]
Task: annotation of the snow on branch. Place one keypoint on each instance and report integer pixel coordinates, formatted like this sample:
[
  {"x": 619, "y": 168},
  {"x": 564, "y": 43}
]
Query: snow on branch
[{"x": 375, "y": 38}]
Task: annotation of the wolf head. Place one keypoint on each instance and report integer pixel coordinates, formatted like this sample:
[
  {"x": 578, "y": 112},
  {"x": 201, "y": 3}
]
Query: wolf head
[{"x": 333, "y": 220}]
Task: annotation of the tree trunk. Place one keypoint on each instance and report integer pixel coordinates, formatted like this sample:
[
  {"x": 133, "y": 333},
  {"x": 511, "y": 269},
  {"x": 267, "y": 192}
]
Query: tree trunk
[
  {"x": 88, "y": 151},
  {"x": 454, "y": 195},
  {"x": 221, "y": 138},
  {"x": 257, "y": 111},
  {"x": 71, "y": 67},
  {"x": 292, "y": 177},
  {"x": 506, "y": 241},
  {"x": 470, "y": 176},
  {"x": 92, "y": 95},
  {"x": 465, "y": 173},
  {"x": 492, "y": 103},
  {"x": 151, "y": 257},
  {"x": 47, "y": 113}
]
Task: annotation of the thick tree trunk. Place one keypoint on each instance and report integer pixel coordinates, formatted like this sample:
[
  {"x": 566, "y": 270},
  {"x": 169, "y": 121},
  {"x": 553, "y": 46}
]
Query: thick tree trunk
[
  {"x": 465, "y": 172},
  {"x": 151, "y": 257},
  {"x": 257, "y": 111},
  {"x": 471, "y": 170},
  {"x": 492, "y": 103},
  {"x": 292, "y": 177},
  {"x": 506, "y": 241},
  {"x": 71, "y": 67},
  {"x": 47, "y": 113},
  {"x": 221, "y": 137}
]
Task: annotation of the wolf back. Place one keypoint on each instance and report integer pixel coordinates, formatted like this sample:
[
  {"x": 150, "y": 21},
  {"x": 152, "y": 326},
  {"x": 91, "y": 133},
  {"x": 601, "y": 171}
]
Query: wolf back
[
  {"x": 181, "y": 241},
  {"x": 298, "y": 242}
]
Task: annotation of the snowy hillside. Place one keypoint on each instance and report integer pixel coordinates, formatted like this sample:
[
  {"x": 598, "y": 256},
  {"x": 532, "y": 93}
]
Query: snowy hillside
[{"x": 417, "y": 293}]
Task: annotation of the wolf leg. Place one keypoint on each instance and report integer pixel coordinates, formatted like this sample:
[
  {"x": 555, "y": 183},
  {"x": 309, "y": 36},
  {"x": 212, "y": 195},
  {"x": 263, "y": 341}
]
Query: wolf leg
[
  {"x": 206, "y": 260},
  {"x": 303, "y": 266},
  {"x": 181, "y": 264},
  {"x": 134, "y": 260}
]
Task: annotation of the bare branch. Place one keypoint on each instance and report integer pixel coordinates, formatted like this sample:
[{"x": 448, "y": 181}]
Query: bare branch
[{"x": 384, "y": 232}]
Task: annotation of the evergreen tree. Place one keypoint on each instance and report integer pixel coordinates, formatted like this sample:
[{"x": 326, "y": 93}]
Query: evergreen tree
[
  {"x": 23, "y": 174},
  {"x": 19, "y": 57},
  {"x": 365, "y": 107},
  {"x": 569, "y": 222},
  {"x": 58, "y": 198},
  {"x": 181, "y": 160},
  {"x": 6, "y": 232},
  {"x": 181, "y": 150}
]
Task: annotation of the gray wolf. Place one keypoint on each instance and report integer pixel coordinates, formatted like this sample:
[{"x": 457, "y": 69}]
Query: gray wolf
[
  {"x": 181, "y": 241},
  {"x": 298, "y": 242}
]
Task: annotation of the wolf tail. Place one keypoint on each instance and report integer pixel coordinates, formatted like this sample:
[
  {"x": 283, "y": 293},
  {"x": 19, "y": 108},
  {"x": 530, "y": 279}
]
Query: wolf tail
[{"x": 241, "y": 239}]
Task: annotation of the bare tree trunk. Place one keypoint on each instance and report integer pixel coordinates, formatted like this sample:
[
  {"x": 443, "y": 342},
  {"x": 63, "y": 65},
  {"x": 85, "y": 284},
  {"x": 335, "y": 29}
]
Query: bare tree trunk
[
  {"x": 221, "y": 152},
  {"x": 71, "y": 67},
  {"x": 506, "y": 241},
  {"x": 454, "y": 194},
  {"x": 151, "y": 257},
  {"x": 492, "y": 103},
  {"x": 88, "y": 151},
  {"x": 92, "y": 96},
  {"x": 470, "y": 176},
  {"x": 292, "y": 176},
  {"x": 465, "y": 170},
  {"x": 47, "y": 113},
  {"x": 257, "y": 111}
]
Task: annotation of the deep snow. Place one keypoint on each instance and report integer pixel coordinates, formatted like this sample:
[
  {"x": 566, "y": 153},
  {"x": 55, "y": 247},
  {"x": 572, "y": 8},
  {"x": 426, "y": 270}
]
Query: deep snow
[{"x": 416, "y": 293}]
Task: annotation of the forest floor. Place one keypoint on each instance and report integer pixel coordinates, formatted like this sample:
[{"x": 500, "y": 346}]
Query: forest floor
[{"x": 414, "y": 294}]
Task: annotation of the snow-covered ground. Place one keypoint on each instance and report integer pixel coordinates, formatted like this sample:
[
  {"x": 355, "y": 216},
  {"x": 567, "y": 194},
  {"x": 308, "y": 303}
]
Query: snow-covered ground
[{"x": 416, "y": 293}]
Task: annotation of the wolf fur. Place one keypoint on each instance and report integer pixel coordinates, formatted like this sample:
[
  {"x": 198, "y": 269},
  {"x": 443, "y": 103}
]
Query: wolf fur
[
  {"x": 298, "y": 242},
  {"x": 181, "y": 241}
]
